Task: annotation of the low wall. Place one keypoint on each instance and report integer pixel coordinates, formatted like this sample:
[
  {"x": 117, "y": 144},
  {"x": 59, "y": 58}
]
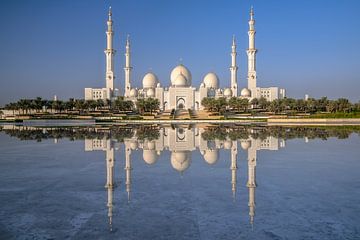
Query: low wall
[{"x": 313, "y": 121}]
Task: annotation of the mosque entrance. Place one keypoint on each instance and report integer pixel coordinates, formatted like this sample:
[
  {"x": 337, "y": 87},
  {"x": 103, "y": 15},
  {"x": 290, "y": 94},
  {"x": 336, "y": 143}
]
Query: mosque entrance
[{"x": 180, "y": 103}]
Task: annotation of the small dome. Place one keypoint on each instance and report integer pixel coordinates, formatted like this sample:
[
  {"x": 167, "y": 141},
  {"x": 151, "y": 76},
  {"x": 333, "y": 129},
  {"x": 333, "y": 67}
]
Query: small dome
[
  {"x": 180, "y": 81},
  {"x": 211, "y": 80},
  {"x": 150, "y": 80},
  {"x": 245, "y": 92},
  {"x": 211, "y": 156},
  {"x": 245, "y": 144},
  {"x": 150, "y": 156},
  {"x": 133, "y": 92},
  {"x": 150, "y": 92},
  {"x": 227, "y": 144},
  {"x": 180, "y": 69},
  {"x": 227, "y": 92},
  {"x": 180, "y": 161}
]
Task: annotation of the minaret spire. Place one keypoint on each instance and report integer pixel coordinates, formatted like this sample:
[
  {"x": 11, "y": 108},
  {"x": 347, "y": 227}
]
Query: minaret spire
[
  {"x": 127, "y": 67},
  {"x": 251, "y": 53},
  {"x": 109, "y": 53},
  {"x": 233, "y": 69}
]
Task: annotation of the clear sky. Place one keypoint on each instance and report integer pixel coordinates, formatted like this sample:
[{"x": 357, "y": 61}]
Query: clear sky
[{"x": 56, "y": 47}]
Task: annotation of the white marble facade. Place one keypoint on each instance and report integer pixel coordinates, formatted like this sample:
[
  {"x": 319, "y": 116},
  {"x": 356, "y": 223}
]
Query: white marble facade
[{"x": 180, "y": 93}]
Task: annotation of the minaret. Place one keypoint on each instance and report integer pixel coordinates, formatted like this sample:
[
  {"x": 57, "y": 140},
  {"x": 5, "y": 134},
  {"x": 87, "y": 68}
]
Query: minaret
[
  {"x": 251, "y": 183},
  {"x": 110, "y": 179},
  {"x": 233, "y": 69},
  {"x": 128, "y": 172},
  {"x": 127, "y": 67},
  {"x": 251, "y": 52},
  {"x": 233, "y": 168},
  {"x": 109, "y": 53}
]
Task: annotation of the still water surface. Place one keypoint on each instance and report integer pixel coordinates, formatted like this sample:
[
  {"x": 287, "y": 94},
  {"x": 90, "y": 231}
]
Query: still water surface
[{"x": 179, "y": 182}]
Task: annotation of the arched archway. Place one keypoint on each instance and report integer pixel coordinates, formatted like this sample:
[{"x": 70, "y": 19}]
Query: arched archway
[{"x": 180, "y": 103}]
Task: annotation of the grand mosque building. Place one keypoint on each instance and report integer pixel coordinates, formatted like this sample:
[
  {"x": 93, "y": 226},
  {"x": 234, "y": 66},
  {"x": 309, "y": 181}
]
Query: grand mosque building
[{"x": 181, "y": 94}]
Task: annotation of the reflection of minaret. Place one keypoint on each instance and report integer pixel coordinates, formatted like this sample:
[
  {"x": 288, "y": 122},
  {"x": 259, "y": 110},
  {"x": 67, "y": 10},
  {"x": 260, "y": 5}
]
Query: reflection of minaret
[
  {"x": 251, "y": 184},
  {"x": 233, "y": 168},
  {"x": 128, "y": 172},
  {"x": 110, "y": 179}
]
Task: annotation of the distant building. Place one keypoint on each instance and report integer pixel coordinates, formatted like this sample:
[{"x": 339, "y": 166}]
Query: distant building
[{"x": 180, "y": 94}]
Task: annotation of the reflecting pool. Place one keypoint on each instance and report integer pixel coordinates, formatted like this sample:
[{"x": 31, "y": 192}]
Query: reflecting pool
[{"x": 179, "y": 182}]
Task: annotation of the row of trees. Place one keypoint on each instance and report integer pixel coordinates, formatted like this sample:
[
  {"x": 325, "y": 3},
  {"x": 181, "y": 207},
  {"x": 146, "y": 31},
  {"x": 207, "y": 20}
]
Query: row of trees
[
  {"x": 311, "y": 105},
  {"x": 120, "y": 104}
]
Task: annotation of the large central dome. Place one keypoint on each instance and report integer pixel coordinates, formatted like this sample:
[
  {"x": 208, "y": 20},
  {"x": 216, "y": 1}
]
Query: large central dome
[{"x": 180, "y": 69}]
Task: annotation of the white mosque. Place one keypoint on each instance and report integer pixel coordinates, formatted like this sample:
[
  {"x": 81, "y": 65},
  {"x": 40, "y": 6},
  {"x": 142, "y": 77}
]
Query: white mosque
[{"x": 180, "y": 94}]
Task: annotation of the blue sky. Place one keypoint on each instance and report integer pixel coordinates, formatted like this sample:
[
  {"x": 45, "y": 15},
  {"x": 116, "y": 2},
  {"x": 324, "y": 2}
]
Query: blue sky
[{"x": 56, "y": 47}]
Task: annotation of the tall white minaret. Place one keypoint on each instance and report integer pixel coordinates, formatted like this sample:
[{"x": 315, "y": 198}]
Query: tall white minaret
[
  {"x": 127, "y": 67},
  {"x": 233, "y": 69},
  {"x": 251, "y": 52},
  {"x": 109, "y": 53}
]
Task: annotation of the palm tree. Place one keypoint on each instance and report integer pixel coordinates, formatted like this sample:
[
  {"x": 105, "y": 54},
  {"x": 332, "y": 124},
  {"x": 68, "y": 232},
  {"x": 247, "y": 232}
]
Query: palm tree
[
  {"x": 263, "y": 103},
  {"x": 244, "y": 103},
  {"x": 254, "y": 102},
  {"x": 343, "y": 105}
]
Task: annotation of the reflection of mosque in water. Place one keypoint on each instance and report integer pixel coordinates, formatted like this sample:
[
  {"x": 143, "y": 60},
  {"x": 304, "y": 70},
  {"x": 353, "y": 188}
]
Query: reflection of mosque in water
[{"x": 181, "y": 142}]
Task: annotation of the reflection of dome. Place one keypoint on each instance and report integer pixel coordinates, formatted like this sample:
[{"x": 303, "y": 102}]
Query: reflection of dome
[
  {"x": 227, "y": 92},
  {"x": 211, "y": 80},
  {"x": 180, "y": 161},
  {"x": 184, "y": 71},
  {"x": 133, "y": 92},
  {"x": 150, "y": 80},
  {"x": 211, "y": 156},
  {"x": 134, "y": 145},
  {"x": 150, "y": 92},
  {"x": 245, "y": 92},
  {"x": 227, "y": 144},
  {"x": 150, "y": 156},
  {"x": 151, "y": 145},
  {"x": 245, "y": 144},
  {"x": 180, "y": 81}
]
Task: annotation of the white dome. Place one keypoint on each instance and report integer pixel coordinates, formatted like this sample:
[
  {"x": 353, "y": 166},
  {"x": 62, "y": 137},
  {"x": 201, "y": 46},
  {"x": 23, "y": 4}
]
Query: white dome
[
  {"x": 227, "y": 144},
  {"x": 180, "y": 81},
  {"x": 245, "y": 144},
  {"x": 211, "y": 80},
  {"x": 150, "y": 80},
  {"x": 150, "y": 156},
  {"x": 180, "y": 69},
  {"x": 133, "y": 92},
  {"x": 180, "y": 161},
  {"x": 227, "y": 92},
  {"x": 150, "y": 92},
  {"x": 211, "y": 156},
  {"x": 245, "y": 92}
]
